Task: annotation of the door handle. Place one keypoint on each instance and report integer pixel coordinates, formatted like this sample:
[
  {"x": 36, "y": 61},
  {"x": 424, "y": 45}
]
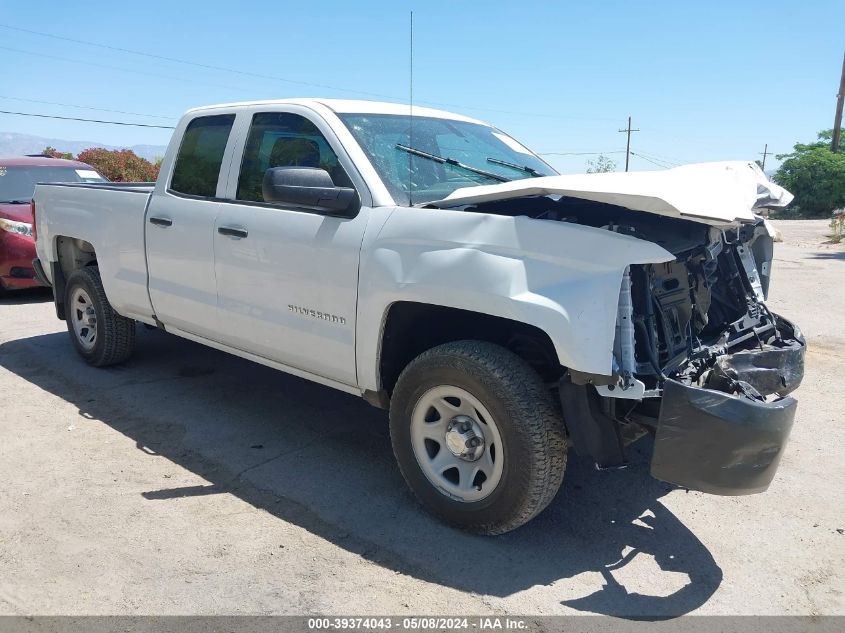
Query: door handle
[
  {"x": 161, "y": 221},
  {"x": 232, "y": 231}
]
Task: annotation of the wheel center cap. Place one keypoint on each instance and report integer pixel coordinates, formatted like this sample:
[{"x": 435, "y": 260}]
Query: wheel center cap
[{"x": 464, "y": 438}]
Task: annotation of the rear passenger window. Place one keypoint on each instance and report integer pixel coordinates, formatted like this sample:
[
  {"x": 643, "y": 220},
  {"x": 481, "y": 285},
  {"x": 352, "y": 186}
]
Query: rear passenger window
[
  {"x": 201, "y": 154},
  {"x": 283, "y": 139}
]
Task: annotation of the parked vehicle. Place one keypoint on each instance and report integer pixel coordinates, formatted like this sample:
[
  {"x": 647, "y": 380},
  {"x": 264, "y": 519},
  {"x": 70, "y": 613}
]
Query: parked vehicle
[
  {"x": 17, "y": 185},
  {"x": 441, "y": 270}
]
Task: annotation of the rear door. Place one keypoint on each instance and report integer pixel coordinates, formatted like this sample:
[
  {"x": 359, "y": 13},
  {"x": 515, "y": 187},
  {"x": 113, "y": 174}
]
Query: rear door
[
  {"x": 179, "y": 228},
  {"x": 287, "y": 277}
]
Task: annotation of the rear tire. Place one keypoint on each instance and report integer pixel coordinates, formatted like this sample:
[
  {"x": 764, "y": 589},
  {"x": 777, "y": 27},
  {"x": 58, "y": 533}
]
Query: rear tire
[
  {"x": 100, "y": 335},
  {"x": 489, "y": 412}
]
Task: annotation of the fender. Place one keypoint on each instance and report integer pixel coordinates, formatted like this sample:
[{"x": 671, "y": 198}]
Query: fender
[{"x": 561, "y": 277}]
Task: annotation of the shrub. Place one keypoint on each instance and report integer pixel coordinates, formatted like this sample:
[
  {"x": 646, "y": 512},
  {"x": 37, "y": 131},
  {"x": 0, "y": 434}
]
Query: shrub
[{"x": 119, "y": 165}]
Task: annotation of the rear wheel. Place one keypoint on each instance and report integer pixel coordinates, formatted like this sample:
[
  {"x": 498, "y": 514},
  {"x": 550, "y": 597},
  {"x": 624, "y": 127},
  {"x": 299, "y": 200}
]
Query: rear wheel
[
  {"x": 100, "y": 335},
  {"x": 477, "y": 436}
]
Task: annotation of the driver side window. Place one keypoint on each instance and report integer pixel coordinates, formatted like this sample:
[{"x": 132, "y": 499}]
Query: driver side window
[{"x": 283, "y": 139}]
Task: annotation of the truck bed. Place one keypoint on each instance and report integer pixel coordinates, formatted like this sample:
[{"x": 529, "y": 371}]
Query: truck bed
[{"x": 110, "y": 215}]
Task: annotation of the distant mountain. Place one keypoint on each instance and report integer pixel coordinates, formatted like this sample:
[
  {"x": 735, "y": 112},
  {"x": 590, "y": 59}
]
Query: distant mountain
[{"x": 13, "y": 144}]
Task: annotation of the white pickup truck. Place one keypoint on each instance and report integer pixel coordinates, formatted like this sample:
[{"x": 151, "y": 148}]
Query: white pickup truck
[{"x": 435, "y": 266}]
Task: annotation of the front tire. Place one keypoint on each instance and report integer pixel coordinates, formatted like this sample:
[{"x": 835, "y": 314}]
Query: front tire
[
  {"x": 100, "y": 335},
  {"x": 477, "y": 436}
]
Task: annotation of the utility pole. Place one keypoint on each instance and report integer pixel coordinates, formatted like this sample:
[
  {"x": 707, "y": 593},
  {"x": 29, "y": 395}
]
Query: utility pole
[
  {"x": 837, "y": 121},
  {"x": 765, "y": 153},
  {"x": 628, "y": 130}
]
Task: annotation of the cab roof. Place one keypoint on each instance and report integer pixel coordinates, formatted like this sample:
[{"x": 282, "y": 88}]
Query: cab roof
[{"x": 349, "y": 106}]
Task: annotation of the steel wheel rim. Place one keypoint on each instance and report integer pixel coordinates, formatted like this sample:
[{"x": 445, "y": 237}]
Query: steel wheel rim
[
  {"x": 83, "y": 316},
  {"x": 438, "y": 418}
]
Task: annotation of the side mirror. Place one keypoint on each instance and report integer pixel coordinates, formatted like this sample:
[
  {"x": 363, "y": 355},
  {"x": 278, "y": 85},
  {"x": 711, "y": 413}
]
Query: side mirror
[{"x": 309, "y": 187}]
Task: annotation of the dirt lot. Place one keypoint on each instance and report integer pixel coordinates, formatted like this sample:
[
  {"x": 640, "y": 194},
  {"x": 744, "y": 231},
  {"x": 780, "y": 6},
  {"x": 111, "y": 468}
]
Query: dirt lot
[{"x": 189, "y": 481}]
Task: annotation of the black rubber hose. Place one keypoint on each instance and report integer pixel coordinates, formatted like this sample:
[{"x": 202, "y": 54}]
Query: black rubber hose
[{"x": 655, "y": 365}]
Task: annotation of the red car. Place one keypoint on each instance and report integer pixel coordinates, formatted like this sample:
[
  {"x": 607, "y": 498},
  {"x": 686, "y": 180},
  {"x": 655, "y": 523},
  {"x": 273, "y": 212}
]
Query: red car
[{"x": 18, "y": 177}]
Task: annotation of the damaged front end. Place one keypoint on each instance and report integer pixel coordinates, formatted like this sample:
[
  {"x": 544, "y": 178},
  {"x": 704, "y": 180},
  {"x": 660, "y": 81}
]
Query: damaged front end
[{"x": 699, "y": 361}]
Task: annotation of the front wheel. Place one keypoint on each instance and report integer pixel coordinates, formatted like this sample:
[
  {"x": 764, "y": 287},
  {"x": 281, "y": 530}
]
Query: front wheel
[
  {"x": 477, "y": 436},
  {"x": 100, "y": 335}
]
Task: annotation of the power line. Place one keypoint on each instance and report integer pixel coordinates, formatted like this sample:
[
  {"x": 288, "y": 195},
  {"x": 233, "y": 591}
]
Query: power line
[
  {"x": 70, "y": 118},
  {"x": 667, "y": 162},
  {"x": 614, "y": 151},
  {"x": 82, "y": 107},
  {"x": 125, "y": 70},
  {"x": 661, "y": 165},
  {"x": 653, "y": 161},
  {"x": 260, "y": 75},
  {"x": 189, "y": 63},
  {"x": 665, "y": 159}
]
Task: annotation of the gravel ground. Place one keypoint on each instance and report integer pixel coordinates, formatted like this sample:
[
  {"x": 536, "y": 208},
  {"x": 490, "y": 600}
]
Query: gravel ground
[{"x": 192, "y": 482}]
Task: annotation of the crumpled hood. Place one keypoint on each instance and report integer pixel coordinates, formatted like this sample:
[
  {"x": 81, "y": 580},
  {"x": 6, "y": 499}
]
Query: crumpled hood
[{"x": 721, "y": 193}]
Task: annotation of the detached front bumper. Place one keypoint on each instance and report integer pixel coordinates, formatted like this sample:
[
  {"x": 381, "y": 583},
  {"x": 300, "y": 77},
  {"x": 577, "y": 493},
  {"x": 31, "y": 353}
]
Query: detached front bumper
[
  {"x": 729, "y": 444},
  {"x": 719, "y": 443}
]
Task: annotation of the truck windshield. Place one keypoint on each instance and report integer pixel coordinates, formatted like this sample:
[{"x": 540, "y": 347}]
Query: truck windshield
[
  {"x": 17, "y": 183},
  {"x": 464, "y": 155}
]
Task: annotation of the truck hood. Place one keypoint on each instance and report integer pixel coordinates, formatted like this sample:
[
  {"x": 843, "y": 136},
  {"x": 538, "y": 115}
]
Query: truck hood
[{"x": 721, "y": 193}]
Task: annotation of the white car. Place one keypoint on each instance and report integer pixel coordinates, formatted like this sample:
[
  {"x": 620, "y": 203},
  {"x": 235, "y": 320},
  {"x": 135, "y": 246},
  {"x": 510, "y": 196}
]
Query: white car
[{"x": 435, "y": 266}]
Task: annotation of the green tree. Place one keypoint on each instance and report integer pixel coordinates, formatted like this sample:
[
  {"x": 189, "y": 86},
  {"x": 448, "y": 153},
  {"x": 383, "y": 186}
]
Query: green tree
[
  {"x": 52, "y": 152},
  {"x": 815, "y": 175},
  {"x": 600, "y": 165}
]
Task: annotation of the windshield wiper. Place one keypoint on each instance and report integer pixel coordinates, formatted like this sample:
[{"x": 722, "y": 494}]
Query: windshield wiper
[
  {"x": 14, "y": 201},
  {"x": 523, "y": 168},
  {"x": 451, "y": 161}
]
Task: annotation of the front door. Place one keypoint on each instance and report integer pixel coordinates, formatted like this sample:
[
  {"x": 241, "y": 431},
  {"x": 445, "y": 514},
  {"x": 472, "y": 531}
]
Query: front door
[{"x": 287, "y": 278}]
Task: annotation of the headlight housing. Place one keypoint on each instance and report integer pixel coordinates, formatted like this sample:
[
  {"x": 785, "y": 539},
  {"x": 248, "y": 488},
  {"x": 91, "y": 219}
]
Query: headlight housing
[{"x": 19, "y": 228}]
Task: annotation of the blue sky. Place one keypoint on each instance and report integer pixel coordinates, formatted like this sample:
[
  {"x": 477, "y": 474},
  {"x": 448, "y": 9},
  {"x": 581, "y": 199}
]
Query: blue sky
[{"x": 703, "y": 81}]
